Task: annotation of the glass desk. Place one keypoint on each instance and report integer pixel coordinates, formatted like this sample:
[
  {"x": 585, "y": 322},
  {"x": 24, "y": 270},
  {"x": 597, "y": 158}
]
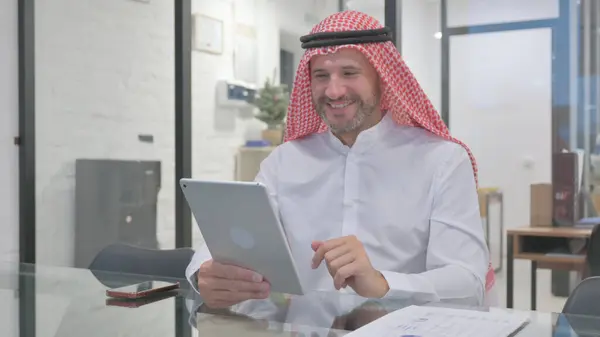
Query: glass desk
[{"x": 51, "y": 301}]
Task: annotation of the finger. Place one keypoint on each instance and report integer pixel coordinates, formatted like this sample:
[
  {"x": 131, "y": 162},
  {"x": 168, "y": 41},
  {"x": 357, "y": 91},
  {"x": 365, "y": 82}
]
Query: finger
[
  {"x": 337, "y": 252},
  {"x": 237, "y": 296},
  {"x": 261, "y": 324},
  {"x": 340, "y": 262},
  {"x": 316, "y": 244},
  {"x": 343, "y": 255},
  {"x": 234, "y": 273},
  {"x": 343, "y": 274},
  {"x": 208, "y": 285},
  {"x": 236, "y": 285},
  {"x": 323, "y": 249},
  {"x": 217, "y": 304}
]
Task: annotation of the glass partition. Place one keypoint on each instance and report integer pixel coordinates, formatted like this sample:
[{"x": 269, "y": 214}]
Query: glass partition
[{"x": 104, "y": 127}]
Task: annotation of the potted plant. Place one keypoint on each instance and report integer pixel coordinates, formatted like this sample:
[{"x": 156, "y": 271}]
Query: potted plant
[{"x": 272, "y": 103}]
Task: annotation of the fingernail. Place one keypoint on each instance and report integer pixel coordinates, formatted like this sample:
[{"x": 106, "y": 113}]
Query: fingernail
[{"x": 257, "y": 278}]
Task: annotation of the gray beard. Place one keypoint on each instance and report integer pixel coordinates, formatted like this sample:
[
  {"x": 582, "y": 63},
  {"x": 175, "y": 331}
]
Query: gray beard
[{"x": 363, "y": 111}]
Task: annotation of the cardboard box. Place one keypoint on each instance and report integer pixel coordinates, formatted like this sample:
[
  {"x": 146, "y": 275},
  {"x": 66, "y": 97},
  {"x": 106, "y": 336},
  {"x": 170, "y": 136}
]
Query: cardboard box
[
  {"x": 482, "y": 201},
  {"x": 541, "y": 205},
  {"x": 596, "y": 202},
  {"x": 482, "y": 194}
]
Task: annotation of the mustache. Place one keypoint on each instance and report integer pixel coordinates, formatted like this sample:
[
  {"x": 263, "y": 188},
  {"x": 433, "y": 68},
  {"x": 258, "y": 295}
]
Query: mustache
[{"x": 324, "y": 99}]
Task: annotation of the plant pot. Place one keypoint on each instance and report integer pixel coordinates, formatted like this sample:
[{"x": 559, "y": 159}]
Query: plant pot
[{"x": 273, "y": 136}]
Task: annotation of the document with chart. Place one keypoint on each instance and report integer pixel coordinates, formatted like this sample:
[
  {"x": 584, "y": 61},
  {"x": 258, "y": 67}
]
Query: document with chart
[{"x": 422, "y": 321}]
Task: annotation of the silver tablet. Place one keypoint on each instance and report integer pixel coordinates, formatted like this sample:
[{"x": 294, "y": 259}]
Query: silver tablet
[{"x": 241, "y": 228}]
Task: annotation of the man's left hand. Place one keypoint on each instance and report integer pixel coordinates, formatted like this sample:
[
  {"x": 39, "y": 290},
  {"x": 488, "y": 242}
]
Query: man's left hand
[{"x": 348, "y": 264}]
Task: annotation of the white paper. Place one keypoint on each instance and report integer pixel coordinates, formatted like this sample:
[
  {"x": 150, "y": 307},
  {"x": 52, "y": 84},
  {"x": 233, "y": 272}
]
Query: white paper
[{"x": 418, "y": 321}]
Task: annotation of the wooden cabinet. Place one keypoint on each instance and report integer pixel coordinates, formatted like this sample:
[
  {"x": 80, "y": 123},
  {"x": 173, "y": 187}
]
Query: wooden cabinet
[{"x": 247, "y": 162}]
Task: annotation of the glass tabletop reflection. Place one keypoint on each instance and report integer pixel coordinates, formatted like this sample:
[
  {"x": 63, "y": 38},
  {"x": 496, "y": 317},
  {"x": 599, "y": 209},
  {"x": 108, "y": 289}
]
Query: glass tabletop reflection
[{"x": 54, "y": 301}]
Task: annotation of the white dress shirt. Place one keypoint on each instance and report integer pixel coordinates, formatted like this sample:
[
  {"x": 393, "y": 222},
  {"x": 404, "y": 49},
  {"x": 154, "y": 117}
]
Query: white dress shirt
[{"x": 408, "y": 195}]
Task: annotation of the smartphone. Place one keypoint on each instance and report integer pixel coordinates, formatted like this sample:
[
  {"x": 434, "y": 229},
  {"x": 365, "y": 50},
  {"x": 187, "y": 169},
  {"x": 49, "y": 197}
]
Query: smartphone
[
  {"x": 141, "y": 290},
  {"x": 138, "y": 302}
]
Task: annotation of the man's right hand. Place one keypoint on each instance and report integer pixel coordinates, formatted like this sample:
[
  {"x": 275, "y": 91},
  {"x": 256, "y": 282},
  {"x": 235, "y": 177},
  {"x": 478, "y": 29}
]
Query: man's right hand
[{"x": 222, "y": 286}]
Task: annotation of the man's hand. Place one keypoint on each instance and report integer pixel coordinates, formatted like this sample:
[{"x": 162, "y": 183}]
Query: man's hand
[
  {"x": 222, "y": 286},
  {"x": 348, "y": 264}
]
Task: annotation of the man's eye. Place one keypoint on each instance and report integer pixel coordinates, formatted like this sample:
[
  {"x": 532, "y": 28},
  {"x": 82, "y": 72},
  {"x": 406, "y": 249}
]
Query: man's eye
[
  {"x": 350, "y": 73},
  {"x": 321, "y": 75}
]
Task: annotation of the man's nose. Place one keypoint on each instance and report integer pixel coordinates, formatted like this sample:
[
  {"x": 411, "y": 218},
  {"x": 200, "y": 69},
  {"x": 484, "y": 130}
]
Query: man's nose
[{"x": 335, "y": 89}]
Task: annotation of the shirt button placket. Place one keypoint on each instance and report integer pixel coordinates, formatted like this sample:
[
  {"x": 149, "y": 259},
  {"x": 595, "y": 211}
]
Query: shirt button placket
[{"x": 350, "y": 195}]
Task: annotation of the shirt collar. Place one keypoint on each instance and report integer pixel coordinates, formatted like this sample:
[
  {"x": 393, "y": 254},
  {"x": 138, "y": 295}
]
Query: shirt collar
[{"x": 366, "y": 139}]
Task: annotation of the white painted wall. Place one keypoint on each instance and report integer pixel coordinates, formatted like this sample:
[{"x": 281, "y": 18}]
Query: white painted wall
[
  {"x": 9, "y": 166},
  {"x": 505, "y": 119},
  {"x": 499, "y": 106}
]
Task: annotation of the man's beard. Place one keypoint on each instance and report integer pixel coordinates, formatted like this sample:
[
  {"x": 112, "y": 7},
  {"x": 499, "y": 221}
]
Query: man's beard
[{"x": 364, "y": 109}]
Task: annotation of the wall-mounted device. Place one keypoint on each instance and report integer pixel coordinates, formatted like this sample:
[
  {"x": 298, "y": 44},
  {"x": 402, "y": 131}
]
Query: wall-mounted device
[{"x": 236, "y": 95}]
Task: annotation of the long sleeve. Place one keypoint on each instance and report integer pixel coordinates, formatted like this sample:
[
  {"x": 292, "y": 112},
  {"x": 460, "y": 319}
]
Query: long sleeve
[
  {"x": 200, "y": 256},
  {"x": 457, "y": 254},
  {"x": 267, "y": 175}
]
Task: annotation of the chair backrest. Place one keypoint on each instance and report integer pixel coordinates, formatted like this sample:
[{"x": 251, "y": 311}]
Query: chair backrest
[
  {"x": 593, "y": 252},
  {"x": 585, "y": 298},
  {"x": 128, "y": 259}
]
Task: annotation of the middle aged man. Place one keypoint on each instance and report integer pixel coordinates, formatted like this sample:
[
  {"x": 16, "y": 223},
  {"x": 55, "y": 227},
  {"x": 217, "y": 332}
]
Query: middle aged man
[{"x": 374, "y": 194}]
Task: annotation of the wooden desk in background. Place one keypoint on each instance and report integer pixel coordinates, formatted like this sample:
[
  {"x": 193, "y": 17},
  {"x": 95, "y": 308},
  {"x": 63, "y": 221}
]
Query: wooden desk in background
[{"x": 539, "y": 245}]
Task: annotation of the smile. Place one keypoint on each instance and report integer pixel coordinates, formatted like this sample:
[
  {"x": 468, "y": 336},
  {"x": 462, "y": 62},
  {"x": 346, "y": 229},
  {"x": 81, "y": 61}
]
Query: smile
[{"x": 340, "y": 105}]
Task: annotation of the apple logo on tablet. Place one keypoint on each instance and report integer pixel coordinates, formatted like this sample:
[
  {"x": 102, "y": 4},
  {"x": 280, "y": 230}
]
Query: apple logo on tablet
[{"x": 242, "y": 237}]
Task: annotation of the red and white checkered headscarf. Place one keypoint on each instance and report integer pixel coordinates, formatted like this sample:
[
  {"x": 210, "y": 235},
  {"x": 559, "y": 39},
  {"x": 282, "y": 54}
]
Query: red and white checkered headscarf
[{"x": 402, "y": 95}]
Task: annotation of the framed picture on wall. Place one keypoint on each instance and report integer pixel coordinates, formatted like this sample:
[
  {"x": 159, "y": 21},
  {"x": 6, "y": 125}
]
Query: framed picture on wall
[{"x": 207, "y": 34}]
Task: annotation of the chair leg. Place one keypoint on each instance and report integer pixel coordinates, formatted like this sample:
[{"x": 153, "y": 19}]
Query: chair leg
[{"x": 533, "y": 285}]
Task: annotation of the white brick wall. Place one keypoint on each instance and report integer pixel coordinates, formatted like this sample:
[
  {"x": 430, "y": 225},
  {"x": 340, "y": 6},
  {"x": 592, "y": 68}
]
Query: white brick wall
[
  {"x": 105, "y": 73},
  {"x": 9, "y": 105},
  {"x": 9, "y": 179}
]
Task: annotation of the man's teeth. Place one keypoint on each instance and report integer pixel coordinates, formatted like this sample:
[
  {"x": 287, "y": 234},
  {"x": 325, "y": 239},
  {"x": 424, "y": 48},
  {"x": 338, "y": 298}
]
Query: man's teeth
[{"x": 340, "y": 105}]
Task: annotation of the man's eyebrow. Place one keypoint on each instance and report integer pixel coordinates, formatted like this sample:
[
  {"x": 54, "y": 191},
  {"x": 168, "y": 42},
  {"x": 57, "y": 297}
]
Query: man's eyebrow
[
  {"x": 346, "y": 67},
  {"x": 351, "y": 67}
]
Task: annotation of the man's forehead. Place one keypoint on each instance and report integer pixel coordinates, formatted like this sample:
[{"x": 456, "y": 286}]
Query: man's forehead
[{"x": 342, "y": 58}]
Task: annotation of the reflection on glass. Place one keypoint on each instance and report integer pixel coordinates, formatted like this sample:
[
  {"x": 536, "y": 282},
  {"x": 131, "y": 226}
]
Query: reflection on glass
[{"x": 104, "y": 128}]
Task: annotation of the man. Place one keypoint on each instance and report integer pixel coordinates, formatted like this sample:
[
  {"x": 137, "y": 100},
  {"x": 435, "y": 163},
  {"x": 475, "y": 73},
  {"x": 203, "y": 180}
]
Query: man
[{"x": 374, "y": 194}]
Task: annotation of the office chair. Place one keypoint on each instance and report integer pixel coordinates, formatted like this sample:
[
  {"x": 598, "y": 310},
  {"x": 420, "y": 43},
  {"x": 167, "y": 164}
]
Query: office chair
[
  {"x": 118, "y": 262},
  {"x": 585, "y": 298},
  {"x": 581, "y": 312}
]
